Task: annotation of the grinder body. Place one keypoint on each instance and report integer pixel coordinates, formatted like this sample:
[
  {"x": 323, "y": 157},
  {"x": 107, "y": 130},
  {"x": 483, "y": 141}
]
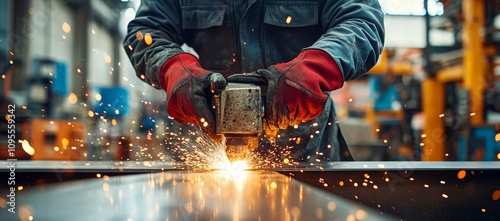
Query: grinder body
[{"x": 239, "y": 113}]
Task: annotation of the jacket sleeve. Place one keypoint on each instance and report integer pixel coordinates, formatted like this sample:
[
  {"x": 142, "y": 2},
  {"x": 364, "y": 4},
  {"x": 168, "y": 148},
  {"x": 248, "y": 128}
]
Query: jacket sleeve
[
  {"x": 153, "y": 36},
  {"x": 354, "y": 34}
]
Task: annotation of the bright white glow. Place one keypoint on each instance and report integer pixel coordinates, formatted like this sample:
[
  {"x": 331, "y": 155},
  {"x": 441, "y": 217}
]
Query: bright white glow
[
  {"x": 234, "y": 168},
  {"x": 411, "y": 7}
]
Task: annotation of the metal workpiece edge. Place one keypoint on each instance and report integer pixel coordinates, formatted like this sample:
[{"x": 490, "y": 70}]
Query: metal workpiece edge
[{"x": 157, "y": 166}]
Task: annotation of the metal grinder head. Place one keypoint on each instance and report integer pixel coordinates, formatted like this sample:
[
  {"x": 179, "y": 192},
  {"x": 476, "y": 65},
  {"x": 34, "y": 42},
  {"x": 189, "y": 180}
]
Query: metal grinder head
[{"x": 238, "y": 115}]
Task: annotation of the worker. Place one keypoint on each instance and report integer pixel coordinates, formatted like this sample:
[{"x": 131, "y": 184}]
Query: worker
[{"x": 303, "y": 49}]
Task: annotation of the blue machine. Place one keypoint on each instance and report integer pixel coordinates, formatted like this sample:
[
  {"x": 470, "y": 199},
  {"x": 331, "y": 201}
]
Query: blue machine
[
  {"x": 481, "y": 137},
  {"x": 114, "y": 102},
  {"x": 382, "y": 94},
  {"x": 48, "y": 86}
]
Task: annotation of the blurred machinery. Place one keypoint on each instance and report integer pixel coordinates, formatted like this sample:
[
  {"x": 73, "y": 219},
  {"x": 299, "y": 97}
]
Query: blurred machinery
[
  {"x": 58, "y": 139},
  {"x": 53, "y": 133},
  {"x": 395, "y": 99},
  {"x": 108, "y": 140},
  {"x": 458, "y": 97},
  {"x": 461, "y": 88},
  {"x": 48, "y": 87},
  {"x": 20, "y": 119}
]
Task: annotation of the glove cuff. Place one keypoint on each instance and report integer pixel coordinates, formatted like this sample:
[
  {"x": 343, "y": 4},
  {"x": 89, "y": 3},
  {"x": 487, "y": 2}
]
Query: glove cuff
[
  {"x": 318, "y": 66},
  {"x": 178, "y": 64},
  {"x": 334, "y": 79}
]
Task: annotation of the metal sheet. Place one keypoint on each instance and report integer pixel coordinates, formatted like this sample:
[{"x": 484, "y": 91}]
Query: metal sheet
[{"x": 180, "y": 195}]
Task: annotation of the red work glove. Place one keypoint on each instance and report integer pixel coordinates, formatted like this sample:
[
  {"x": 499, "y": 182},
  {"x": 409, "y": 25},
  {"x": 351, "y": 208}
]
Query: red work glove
[
  {"x": 188, "y": 86},
  {"x": 296, "y": 89}
]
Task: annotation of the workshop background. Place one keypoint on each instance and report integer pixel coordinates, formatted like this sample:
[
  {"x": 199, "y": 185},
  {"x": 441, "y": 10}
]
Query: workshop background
[{"x": 433, "y": 96}]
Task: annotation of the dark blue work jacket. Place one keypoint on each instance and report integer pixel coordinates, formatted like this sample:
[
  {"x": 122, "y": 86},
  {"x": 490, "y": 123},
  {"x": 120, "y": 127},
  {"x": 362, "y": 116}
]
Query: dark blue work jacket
[{"x": 236, "y": 36}]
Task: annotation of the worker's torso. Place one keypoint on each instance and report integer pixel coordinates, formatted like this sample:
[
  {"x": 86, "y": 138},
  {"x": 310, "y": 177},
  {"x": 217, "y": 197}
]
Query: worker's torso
[{"x": 234, "y": 36}]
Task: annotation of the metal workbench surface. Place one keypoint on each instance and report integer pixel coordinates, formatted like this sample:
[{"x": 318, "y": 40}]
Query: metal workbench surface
[
  {"x": 184, "y": 195},
  {"x": 112, "y": 190}
]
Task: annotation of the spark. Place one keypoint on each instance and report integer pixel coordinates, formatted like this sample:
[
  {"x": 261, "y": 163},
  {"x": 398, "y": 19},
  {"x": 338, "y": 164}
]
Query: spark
[
  {"x": 139, "y": 36},
  {"x": 273, "y": 185},
  {"x": 360, "y": 215},
  {"x": 148, "y": 39},
  {"x": 107, "y": 58},
  {"x": 461, "y": 174},
  {"x": 72, "y": 98},
  {"x": 331, "y": 206},
  {"x": 444, "y": 196},
  {"x": 496, "y": 195},
  {"x": 65, "y": 142},
  {"x": 27, "y": 147},
  {"x": 98, "y": 97}
]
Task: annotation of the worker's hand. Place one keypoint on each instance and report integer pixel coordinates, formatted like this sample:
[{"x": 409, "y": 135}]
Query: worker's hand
[
  {"x": 296, "y": 89},
  {"x": 187, "y": 86}
]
